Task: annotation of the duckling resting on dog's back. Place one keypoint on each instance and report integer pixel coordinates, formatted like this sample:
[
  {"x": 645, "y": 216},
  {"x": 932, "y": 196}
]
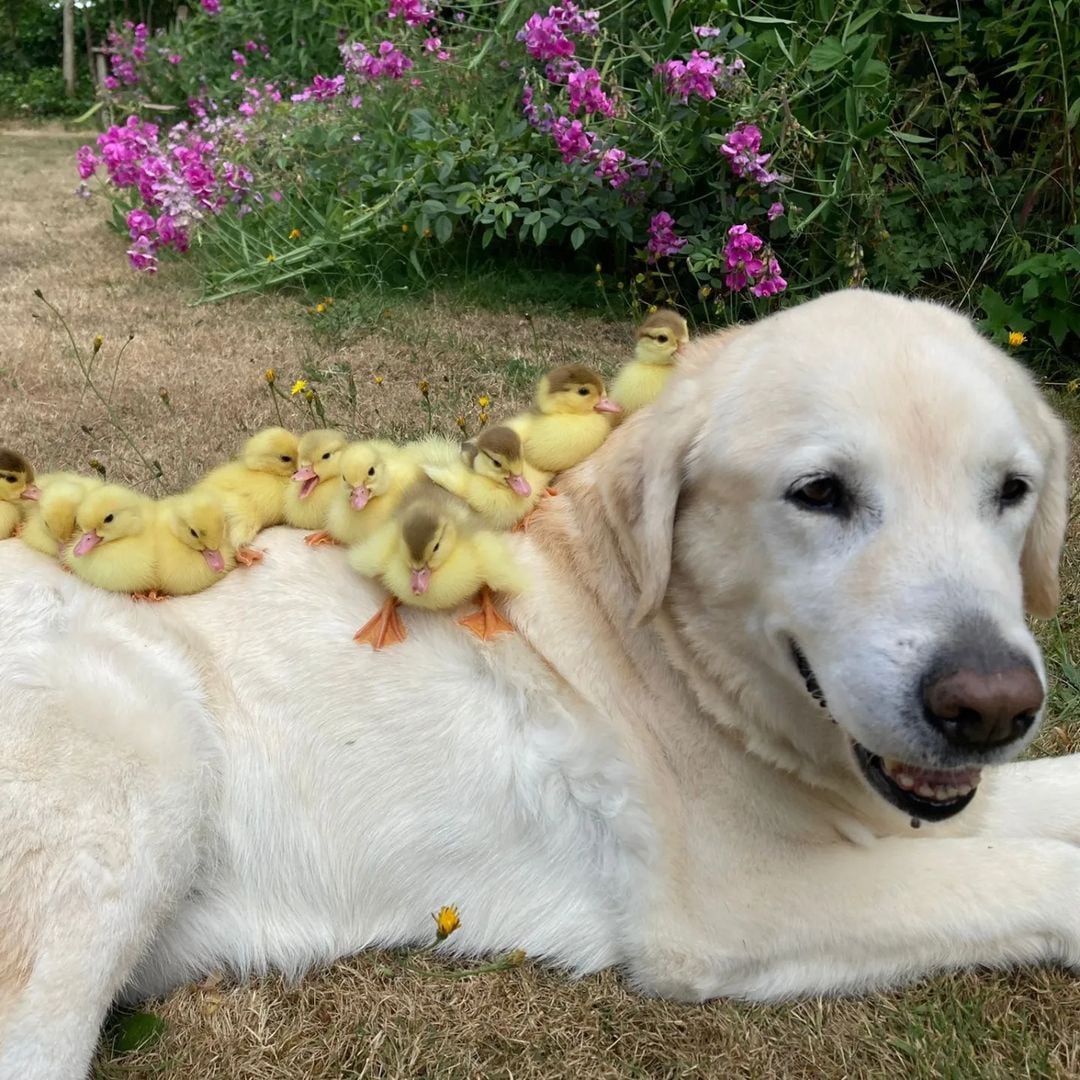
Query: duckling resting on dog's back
[
  {"x": 192, "y": 545},
  {"x": 114, "y": 549},
  {"x": 435, "y": 553}
]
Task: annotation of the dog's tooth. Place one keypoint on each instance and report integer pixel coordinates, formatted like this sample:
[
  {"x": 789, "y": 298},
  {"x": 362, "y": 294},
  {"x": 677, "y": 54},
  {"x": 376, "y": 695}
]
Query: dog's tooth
[
  {"x": 924, "y": 791},
  {"x": 963, "y": 789},
  {"x": 905, "y": 781}
]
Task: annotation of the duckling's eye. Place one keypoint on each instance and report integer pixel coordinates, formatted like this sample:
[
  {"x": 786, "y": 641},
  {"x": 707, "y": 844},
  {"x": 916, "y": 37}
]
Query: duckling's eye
[
  {"x": 584, "y": 391},
  {"x": 497, "y": 464},
  {"x": 10, "y": 479},
  {"x": 435, "y": 548},
  {"x": 662, "y": 338},
  {"x": 286, "y": 458},
  {"x": 109, "y": 518},
  {"x": 326, "y": 455},
  {"x": 194, "y": 533},
  {"x": 371, "y": 471}
]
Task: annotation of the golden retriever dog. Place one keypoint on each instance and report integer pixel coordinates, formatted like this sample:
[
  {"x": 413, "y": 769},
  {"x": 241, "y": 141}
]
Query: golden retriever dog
[{"x": 751, "y": 738}]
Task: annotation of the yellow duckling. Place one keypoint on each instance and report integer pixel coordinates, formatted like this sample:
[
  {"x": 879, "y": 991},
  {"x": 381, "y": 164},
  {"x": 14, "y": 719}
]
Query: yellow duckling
[
  {"x": 491, "y": 474},
  {"x": 192, "y": 544},
  {"x": 50, "y": 524},
  {"x": 435, "y": 554},
  {"x": 252, "y": 487},
  {"x": 568, "y": 420},
  {"x": 308, "y": 497},
  {"x": 17, "y": 488},
  {"x": 659, "y": 340},
  {"x": 374, "y": 477},
  {"x": 115, "y": 545}
]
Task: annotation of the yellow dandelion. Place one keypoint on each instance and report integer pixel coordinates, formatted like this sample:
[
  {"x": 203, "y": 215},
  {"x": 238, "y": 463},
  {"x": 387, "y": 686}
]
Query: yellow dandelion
[
  {"x": 1016, "y": 339},
  {"x": 320, "y": 309},
  {"x": 294, "y": 235},
  {"x": 1072, "y": 387},
  {"x": 446, "y": 922},
  {"x": 378, "y": 380},
  {"x": 269, "y": 258},
  {"x": 328, "y": 300},
  {"x": 652, "y": 309},
  {"x": 461, "y": 422},
  {"x": 705, "y": 292},
  {"x": 482, "y": 416},
  {"x": 404, "y": 228},
  {"x": 98, "y": 342},
  {"x": 298, "y": 387},
  {"x": 483, "y": 401},
  {"x": 270, "y": 375},
  {"x": 515, "y": 958},
  {"x": 424, "y": 386},
  {"x": 309, "y": 395}
]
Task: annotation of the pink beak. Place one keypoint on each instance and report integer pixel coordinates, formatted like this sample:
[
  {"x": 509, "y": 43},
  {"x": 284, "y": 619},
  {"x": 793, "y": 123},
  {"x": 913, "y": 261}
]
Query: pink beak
[
  {"x": 519, "y": 485},
  {"x": 607, "y": 405},
  {"x": 214, "y": 560},
  {"x": 359, "y": 498},
  {"x": 31, "y": 492},
  {"x": 420, "y": 580},
  {"x": 87, "y": 542},
  {"x": 308, "y": 479}
]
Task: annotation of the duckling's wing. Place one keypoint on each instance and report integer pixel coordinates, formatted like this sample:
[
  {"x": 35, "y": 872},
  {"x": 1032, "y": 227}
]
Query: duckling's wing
[
  {"x": 371, "y": 557},
  {"x": 501, "y": 572}
]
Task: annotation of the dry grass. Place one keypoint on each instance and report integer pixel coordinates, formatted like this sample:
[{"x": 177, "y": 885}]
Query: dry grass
[{"x": 384, "y": 1014}]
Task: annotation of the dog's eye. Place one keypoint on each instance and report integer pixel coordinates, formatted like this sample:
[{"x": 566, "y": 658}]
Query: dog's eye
[
  {"x": 825, "y": 494},
  {"x": 1013, "y": 491}
]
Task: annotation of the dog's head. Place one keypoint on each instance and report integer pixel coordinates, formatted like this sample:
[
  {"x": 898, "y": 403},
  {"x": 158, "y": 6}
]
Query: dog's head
[{"x": 866, "y": 495}]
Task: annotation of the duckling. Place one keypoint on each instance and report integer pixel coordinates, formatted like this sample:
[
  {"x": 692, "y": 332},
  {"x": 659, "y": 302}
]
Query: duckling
[
  {"x": 50, "y": 524},
  {"x": 308, "y": 497},
  {"x": 115, "y": 549},
  {"x": 493, "y": 477},
  {"x": 435, "y": 554},
  {"x": 659, "y": 340},
  {"x": 252, "y": 487},
  {"x": 567, "y": 422},
  {"x": 17, "y": 487},
  {"x": 192, "y": 542},
  {"x": 374, "y": 477}
]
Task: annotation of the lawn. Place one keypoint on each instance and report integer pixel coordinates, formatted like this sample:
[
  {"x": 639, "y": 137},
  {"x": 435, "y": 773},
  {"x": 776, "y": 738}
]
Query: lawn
[{"x": 187, "y": 388}]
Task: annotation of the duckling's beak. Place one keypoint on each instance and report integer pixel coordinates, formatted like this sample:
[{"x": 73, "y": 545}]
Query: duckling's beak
[
  {"x": 359, "y": 498},
  {"x": 214, "y": 560},
  {"x": 31, "y": 492},
  {"x": 419, "y": 580},
  {"x": 607, "y": 405},
  {"x": 519, "y": 485},
  {"x": 308, "y": 479},
  {"x": 87, "y": 542}
]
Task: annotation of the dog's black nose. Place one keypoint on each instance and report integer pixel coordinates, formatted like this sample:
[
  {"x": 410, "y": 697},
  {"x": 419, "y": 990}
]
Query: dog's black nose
[{"x": 978, "y": 709}]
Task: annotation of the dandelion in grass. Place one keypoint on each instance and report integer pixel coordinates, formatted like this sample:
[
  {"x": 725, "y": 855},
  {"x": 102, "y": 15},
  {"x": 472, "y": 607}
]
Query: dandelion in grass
[
  {"x": 98, "y": 342},
  {"x": 462, "y": 423},
  {"x": 270, "y": 375},
  {"x": 269, "y": 258},
  {"x": 483, "y": 401},
  {"x": 377, "y": 380},
  {"x": 482, "y": 417},
  {"x": 516, "y": 958},
  {"x": 298, "y": 387},
  {"x": 320, "y": 309},
  {"x": 294, "y": 234},
  {"x": 424, "y": 387},
  {"x": 1016, "y": 339},
  {"x": 309, "y": 396},
  {"x": 1072, "y": 387},
  {"x": 447, "y": 921}
]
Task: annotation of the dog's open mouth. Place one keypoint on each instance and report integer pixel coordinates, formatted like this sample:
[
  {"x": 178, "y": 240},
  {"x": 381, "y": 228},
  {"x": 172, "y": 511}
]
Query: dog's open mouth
[{"x": 929, "y": 794}]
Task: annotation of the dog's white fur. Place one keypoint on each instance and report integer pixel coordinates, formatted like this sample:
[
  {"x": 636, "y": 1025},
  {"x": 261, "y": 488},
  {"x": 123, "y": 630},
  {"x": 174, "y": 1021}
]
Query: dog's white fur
[{"x": 638, "y": 778}]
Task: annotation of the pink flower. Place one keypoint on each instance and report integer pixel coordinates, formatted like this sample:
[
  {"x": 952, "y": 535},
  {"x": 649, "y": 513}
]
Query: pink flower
[
  {"x": 414, "y": 12},
  {"x": 571, "y": 138},
  {"x": 775, "y": 211},
  {"x": 174, "y": 58},
  {"x": 585, "y": 92},
  {"x": 662, "y": 238},
  {"x": 544, "y": 39},
  {"x": 706, "y": 31},
  {"x": 771, "y": 282},
  {"x": 388, "y": 63},
  {"x": 141, "y": 255},
  {"x": 87, "y": 162},
  {"x": 745, "y": 266},
  {"x": 696, "y": 77},
  {"x": 741, "y": 148},
  {"x": 211, "y": 7}
]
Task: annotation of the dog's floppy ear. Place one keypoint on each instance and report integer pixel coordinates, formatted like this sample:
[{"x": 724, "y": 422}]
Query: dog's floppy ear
[{"x": 1046, "y": 534}]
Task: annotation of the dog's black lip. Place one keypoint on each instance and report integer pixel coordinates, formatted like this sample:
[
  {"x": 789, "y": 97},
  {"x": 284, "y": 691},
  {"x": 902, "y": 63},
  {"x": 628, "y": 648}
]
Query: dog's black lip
[
  {"x": 813, "y": 687},
  {"x": 906, "y": 801}
]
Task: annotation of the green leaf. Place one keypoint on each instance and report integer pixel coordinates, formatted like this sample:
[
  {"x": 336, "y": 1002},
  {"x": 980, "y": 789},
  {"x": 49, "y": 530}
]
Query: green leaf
[
  {"x": 660, "y": 10},
  {"x": 513, "y": 184},
  {"x": 908, "y": 137},
  {"x": 826, "y": 54},
  {"x": 577, "y": 238},
  {"x": 768, "y": 20},
  {"x": 485, "y": 240},
  {"x": 872, "y": 130},
  {"x": 540, "y": 232},
  {"x": 134, "y": 1031},
  {"x": 928, "y": 20},
  {"x": 444, "y": 228}
]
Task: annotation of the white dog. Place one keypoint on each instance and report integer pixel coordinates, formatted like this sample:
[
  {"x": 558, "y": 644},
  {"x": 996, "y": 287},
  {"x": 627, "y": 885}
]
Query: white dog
[{"x": 776, "y": 623}]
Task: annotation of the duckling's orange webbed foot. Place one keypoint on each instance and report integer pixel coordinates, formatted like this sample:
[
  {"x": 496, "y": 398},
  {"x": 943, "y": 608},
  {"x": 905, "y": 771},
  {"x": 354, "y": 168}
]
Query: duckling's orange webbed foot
[
  {"x": 151, "y": 596},
  {"x": 486, "y": 623},
  {"x": 550, "y": 492},
  {"x": 249, "y": 556},
  {"x": 317, "y": 539},
  {"x": 383, "y": 628}
]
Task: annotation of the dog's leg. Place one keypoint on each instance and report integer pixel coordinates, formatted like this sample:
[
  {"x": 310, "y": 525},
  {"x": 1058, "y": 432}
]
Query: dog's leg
[
  {"x": 1031, "y": 799},
  {"x": 842, "y": 919}
]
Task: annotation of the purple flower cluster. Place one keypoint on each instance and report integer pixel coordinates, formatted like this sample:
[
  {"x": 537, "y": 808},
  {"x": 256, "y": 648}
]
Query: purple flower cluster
[
  {"x": 571, "y": 139},
  {"x": 617, "y": 167},
  {"x": 413, "y": 11},
  {"x": 322, "y": 89},
  {"x": 127, "y": 54},
  {"x": 549, "y": 37},
  {"x": 211, "y": 7},
  {"x": 662, "y": 238},
  {"x": 434, "y": 45},
  {"x": 747, "y": 264},
  {"x": 742, "y": 149},
  {"x": 586, "y": 93},
  {"x": 388, "y": 63},
  {"x": 697, "y": 77}
]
